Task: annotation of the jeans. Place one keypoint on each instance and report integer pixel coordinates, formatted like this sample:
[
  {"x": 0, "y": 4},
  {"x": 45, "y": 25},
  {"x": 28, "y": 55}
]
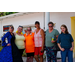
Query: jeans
[{"x": 67, "y": 53}]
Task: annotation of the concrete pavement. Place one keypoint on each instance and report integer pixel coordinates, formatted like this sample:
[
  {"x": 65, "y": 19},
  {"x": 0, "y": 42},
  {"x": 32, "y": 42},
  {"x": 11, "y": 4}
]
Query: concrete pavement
[{"x": 58, "y": 60}]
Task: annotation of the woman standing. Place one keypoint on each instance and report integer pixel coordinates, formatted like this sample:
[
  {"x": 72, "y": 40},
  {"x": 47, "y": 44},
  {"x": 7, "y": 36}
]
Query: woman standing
[
  {"x": 10, "y": 51},
  {"x": 39, "y": 38},
  {"x": 66, "y": 44},
  {"x": 51, "y": 38},
  {"x": 20, "y": 40},
  {"x": 29, "y": 40}
]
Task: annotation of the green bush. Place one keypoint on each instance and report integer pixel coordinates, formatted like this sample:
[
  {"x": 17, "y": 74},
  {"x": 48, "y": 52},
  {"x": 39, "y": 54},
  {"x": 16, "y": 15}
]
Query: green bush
[{"x": 6, "y": 13}]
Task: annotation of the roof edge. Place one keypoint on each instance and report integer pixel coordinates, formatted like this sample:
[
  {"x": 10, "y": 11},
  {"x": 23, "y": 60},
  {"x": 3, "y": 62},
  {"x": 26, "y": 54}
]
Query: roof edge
[{"x": 15, "y": 14}]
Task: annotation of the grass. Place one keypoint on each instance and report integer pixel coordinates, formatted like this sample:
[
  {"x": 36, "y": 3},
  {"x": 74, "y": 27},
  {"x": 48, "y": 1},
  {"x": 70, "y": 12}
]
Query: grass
[{"x": 0, "y": 48}]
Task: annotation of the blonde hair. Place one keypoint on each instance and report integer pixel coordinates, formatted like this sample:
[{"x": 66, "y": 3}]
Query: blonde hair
[{"x": 17, "y": 32}]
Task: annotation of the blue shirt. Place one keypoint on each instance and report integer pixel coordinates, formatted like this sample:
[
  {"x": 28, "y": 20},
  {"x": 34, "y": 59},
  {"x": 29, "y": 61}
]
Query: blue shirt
[
  {"x": 8, "y": 36},
  {"x": 65, "y": 40}
]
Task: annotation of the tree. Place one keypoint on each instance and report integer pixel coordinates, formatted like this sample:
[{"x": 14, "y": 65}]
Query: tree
[{"x": 6, "y": 13}]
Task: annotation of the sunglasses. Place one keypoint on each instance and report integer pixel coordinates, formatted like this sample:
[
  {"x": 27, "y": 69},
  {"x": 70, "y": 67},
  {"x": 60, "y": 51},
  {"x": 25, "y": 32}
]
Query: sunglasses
[
  {"x": 50, "y": 26},
  {"x": 12, "y": 28},
  {"x": 28, "y": 30}
]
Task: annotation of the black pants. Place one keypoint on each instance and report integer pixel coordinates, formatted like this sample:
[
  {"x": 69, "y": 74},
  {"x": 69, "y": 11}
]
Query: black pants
[
  {"x": 51, "y": 54},
  {"x": 21, "y": 51}
]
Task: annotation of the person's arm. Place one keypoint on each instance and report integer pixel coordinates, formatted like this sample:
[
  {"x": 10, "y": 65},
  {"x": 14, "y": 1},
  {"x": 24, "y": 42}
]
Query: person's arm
[
  {"x": 72, "y": 41},
  {"x": 14, "y": 33},
  {"x": 58, "y": 42},
  {"x": 59, "y": 46},
  {"x": 71, "y": 49},
  {"x": 55, "y": 40},
  {"x": 43, "y": 38},
  {"x": 73, "y": 45},
  {"x": 57, "y": 34},
  {"x": 62, "y": 49},
  {"x": 3, "y": 40}
]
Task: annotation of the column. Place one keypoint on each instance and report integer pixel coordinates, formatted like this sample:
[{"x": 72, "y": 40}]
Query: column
[
  {"x": 0, "y": 28},
  {"x": 47, "y": 19}
]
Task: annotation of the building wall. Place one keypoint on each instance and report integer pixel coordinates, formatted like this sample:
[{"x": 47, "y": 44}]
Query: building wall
[
  {"x": 28, "y": 19},
  {"x": 57, "y": 17},
  {"x": 62, "y": 18}
]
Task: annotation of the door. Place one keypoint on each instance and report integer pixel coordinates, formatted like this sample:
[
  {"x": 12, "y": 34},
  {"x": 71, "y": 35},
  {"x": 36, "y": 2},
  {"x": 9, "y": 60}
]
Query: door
[{"x": 73, "y": 32}]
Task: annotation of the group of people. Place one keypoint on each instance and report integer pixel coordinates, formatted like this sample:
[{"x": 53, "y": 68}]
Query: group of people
[{"x": 34, "y": 43}]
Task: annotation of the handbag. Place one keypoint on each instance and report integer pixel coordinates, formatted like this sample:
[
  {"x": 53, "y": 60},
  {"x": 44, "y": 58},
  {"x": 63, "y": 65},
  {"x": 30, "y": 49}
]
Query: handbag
[{"x": 56, "y": 47}]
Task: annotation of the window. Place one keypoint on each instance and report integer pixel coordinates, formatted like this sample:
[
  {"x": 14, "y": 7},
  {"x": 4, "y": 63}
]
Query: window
[{"x": 6, "y": 28}]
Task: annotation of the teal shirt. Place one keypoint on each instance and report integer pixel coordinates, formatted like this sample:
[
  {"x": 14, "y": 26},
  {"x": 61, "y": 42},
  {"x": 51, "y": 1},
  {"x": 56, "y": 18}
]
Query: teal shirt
[
  {"x": 65, "y": 40},
  {"x": 49, "y": 36}
]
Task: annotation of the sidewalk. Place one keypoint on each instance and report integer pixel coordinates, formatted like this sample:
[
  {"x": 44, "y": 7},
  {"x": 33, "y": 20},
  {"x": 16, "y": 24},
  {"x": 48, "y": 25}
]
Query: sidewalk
[{"x": 58, "y": 60}]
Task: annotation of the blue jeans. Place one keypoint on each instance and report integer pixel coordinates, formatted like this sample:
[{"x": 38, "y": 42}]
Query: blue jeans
[{"x": 67, "y": 53}]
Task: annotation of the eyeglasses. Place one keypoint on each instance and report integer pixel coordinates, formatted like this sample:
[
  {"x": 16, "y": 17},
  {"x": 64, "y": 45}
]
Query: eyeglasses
[
  {"x": 19, "y": 29},
  {"x": 21, "y": 26},
  {"x": 50, "y": 26}
]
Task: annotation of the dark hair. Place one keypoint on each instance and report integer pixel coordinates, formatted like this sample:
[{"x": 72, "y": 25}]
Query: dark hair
[
  {"x": 11, "y": 27},
  {"x": 20, "y": 26},
  {"x": 37, "y": 22},
  {"x": 51, "y": 23},
  {"x": 66, "y": 28},
  {"x": 29, "y": 27}
]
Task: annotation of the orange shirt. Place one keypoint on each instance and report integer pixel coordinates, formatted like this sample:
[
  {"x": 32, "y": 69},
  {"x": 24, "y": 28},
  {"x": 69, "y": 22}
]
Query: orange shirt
[{"x": 29, "y": 42}]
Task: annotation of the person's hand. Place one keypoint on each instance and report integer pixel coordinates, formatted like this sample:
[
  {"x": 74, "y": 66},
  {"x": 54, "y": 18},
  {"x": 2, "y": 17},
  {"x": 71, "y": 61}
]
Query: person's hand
[
  {"x": 62, "y": 49},
  {"x": 42, "y": 50},
  {"x": 53, "y": 41},
  {"x": 71, "y": 49},
  {"x": 8, "y": 44}
]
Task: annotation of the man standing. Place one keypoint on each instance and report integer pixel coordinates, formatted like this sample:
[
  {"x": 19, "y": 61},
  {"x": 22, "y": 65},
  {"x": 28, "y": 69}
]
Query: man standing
[{"x": 39, "y": 38}]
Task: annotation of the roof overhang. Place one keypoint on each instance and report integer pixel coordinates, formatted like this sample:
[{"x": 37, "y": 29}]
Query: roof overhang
[{"x": 14, "y": 15}]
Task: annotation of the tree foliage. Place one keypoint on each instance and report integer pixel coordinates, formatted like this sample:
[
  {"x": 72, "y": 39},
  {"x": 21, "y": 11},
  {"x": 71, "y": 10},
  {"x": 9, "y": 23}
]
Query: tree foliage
[{"x": 6, "y": 13}]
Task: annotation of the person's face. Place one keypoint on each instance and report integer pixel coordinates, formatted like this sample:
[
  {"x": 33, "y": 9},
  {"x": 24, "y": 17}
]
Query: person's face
[
  {"x": 25, "y": 31},
  {"x": 20, "y": 29},
  {"x": 63, "y": 29},
  {"x": 37, "y": 26},
  {"x": 50, "y": 26},
  {"x": 28, "y": 30},
  {"x": 11, "y": 30}
]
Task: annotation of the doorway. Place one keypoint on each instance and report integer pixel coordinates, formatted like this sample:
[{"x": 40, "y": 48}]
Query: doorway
[{"x": 73, "y": 32}]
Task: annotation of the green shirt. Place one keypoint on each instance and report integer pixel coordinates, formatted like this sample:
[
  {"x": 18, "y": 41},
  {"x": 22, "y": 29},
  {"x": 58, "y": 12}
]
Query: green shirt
[{"x": 49, "y": 36}]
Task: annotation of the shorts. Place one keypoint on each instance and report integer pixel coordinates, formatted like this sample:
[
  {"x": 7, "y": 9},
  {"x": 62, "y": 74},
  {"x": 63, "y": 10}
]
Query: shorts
[
  {"x": 30, "y": 54},
  {"x": 37, "y": 51}
]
